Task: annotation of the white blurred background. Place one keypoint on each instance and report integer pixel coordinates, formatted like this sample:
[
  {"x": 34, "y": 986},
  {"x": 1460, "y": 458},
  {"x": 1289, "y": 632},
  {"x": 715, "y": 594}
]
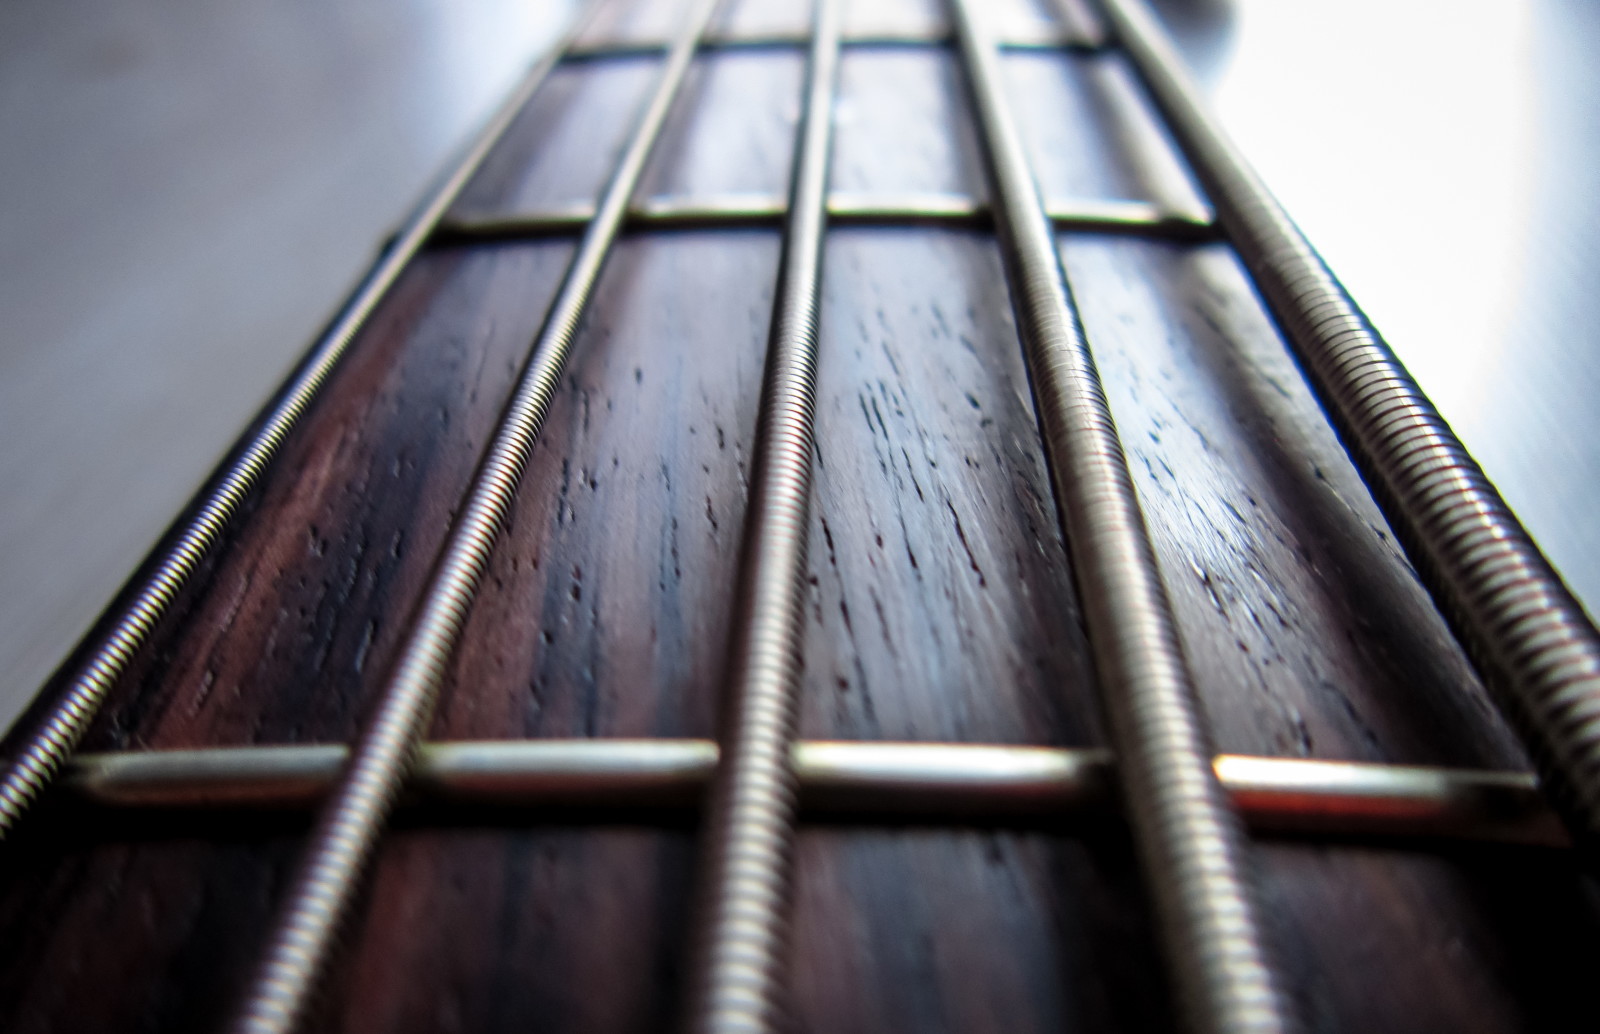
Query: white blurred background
[{"x": 188, "y": 190}]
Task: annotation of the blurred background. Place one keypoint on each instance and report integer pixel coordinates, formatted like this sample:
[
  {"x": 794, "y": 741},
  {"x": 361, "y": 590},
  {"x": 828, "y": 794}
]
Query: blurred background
[{"x": 188, "y": 191}]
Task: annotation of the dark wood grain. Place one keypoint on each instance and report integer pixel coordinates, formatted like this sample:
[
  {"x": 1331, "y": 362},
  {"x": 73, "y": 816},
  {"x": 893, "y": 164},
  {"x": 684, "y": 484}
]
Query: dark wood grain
[
  {"x": 1307, "y": 632},
  {"x": 1414, "y": 940},
  {"x": 941, "y": 602},
  {"x": 309, "y": 597},
  {"x": 564, "y": 145},
  {"x": 946, "y": 931},
  {"x": 902, "y": 124},
  {"x": 606, "y": 608},
  {"x": 732, "y": 129},
  {"x": 1091, "y": 133},
  {"x": 103, "y": 933},
  {"x": 494, "y": 930}
]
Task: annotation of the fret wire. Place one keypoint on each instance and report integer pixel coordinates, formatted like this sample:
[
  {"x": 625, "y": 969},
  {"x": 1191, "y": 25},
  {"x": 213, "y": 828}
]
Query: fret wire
[
  {"x": 1188, "y": 837},
  {"x": 1083, "y": 40},
  {"x": 351, "y": 821},
  {"x": 57, "y": 732},
  {"x": 737, "y": 971},
  {"x": 950, "y": 782},
  {"x": 731, "y": 211},
  {"x": 1532, "y": 642}
]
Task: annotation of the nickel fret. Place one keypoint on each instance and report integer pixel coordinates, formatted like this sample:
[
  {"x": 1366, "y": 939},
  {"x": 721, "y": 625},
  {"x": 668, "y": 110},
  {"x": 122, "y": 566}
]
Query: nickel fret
[
  {"x": 1140, "y": 218},
  {"x": 606, "y": 50},
  {"x": 945, "y": 783}
]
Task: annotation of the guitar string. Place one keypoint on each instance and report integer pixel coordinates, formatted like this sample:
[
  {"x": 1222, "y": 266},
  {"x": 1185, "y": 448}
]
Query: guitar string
[
  {"x": 738, "y": 975},
  {"x": 1188, "y": 838},
  {"x": 351, "y": 822}
]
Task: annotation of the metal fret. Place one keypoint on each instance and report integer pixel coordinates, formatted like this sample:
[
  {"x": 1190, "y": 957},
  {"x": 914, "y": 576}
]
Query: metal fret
[
  {"x": 729, "y": 211},
  {"x": 1532, "y": 641},
  {"x": 350, "y": 823},
  {"x": 947, "y": 783},
  {"x": 738, "y": 971},
  {"x": 61, "y": 728},
  {"x": 1184, "y": 827},
  {"x": 1075, "y": 39}
]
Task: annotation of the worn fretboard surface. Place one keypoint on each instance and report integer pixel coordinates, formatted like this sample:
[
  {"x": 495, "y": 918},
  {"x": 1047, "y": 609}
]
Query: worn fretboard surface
[{"x": 941, "y": 604}]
